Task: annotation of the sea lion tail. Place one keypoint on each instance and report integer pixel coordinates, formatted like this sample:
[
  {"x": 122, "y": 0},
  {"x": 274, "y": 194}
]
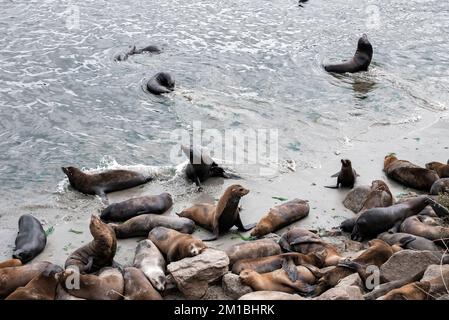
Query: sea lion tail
[{"x": 289, "y": 267}]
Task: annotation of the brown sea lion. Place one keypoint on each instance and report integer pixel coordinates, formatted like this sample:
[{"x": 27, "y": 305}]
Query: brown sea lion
[
  {"x": 412, "y": 291},
  {"x": 346, "y": 177},
  {"x": 10, "y": 263},
  {"x": 12, "y": 278},
  {"x": 62, "y": 294},
  {"x": 305, "y": 242},
  {"x": 440, "y": 186},
  {"x": 98, "y": 253},
  {"x": 150, "y": 260},
  {"x": 175, "y": 245},
  {"x": 271, "y": 263},
  {"x": 41, "y": 287},
  {"x": 107, "y": 285},
  {"x": 440, "y": 168},
  {"x": 281, "y": 216},
  {"x": 252, "y": 250},
  {"x": 128, "y": 209},
  {"x": 222, "y": 217},
  {"x": 409, "y": 174},
  {"x": 137, "y": 286},
  {"x": 408, "y": 241},
  {"x": 141, "y": 225},
  {"x": 105, "y": 182},
  {"x": 415, "y": 226}
]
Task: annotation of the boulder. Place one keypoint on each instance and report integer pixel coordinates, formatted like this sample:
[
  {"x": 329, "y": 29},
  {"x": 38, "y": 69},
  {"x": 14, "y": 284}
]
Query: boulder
[
  {"x": 342, "y": 293},
  {"x": 355, "y": 198},
  {"x": 233, "y": 287},
  {"x": 406, "y": 263},
  {"x": 352, "y": 280},
  {"x": 438, "y": 276},
  {"x": 193, "y": 275},
  {"x": 435, "y": 270},
  {"x": 215, "y": 292},
  {"x": 271, "y": 295}
]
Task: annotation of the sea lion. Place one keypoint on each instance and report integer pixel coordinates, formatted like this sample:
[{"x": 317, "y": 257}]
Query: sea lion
[
  {"x": 409, "y": 174},
  {"x": 105, "y": 182},
  {"x": 440, "y": 168},
  {"x": 377, "y": 220},
  {"x": 150, "y": 260},
  {"x": 271, "y": 263},
  {"x": 346, "y": 177},
  {"x": 30, "y": 240},
  {"x": 140, "y": 226},
  {"x": 137, "y": 286},
  {"x": 62, "y": 294},
  {"x": 107, "y": 285},
  {"x": 415, "y": 226},
  {"x": 10, "y": 263},
  {"x": 133, "y": 50},
  {"x": 412, "y": 291},
  {"x": 160, "y": 83},
  {"x": 128, "y": 209},
  {"x": 270, "y": 295},
  {"x": 12, "y": 278},
  {"x": 252, "y": 250},
  {"x": 201, "y": 166},
  {"x": 281, "y": 216},
  {"x": 360, "y": 61},
  {"x": 41, "y": 287},
  {"x": 440, "y": 186},
  {"x": 377, "y": 254},
  {"x": 305, "y": 242},
  {"x": 223, "y": 216},
  {"x": 98, "y": 253},
  {"x": 408, "y": 241},
  {"x": 175, "y": 245}
]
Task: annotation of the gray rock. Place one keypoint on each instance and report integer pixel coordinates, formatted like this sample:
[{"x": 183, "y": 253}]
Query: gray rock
[
  {"x": 271, "y": 295},
  {"x": 355, "y": 198},
  {"x": 193, "y": 275},
  {"x": 233, "y": 287},
  {"x": 342, "y": 293},
  {"x": 352, "y": 280},
  {"x": 215, "y": 293},
  {"x": 433, "y": 271}
]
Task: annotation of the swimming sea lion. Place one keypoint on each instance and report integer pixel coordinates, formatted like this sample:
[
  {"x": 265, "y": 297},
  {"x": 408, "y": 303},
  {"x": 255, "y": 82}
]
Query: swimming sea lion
[
  {"x": 104, "y": 182},
  {"x": 41, "y": 287},
  {"x": 137, "y": 287},
  {"x": 133, "y": 50},
  {"x": 440, "y": 186},
  {"x": 409, "y": 174},
  {"x": 223, "y": 216},
  {"x": 415, "y": 226},
  {"x": 440, "y": 168},
  {"x": 160, "y": 83},
  {"x": 305, "y": 242},
  {"x": 281, "y": 216},
  {"x": 412, "y": 291},
  {"x": 127, "y": 209},
  {"x": 175, "y": 245},
  {"x": 30, "y": 240},
  {"x": 12, "y": 278},
  {"x": 150, "y": 260},
  {"x": 107, "y": 285},
  {"x": 360, "y": 61},
  {"x": 408, "y": 241},
  {"x": 10, "y": 263},
  {"x": 140, "y": 226},
  {"x": 252, "y": 250},
  {"x": 377, "y": 220},
  {"x": 346, "y": 177},
  {"x": 98, "y": 253}
]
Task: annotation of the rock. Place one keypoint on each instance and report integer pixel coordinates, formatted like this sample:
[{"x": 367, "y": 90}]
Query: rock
[
  {"x": 233, "y": 287},
  {"x": 216, "y": 293},
  {"x": 406, "y": 263},
  {"x": 271, "y": 295},
  {"x": 433, "y": 271},
  {"x": 193, "y": 275},
  {"x": 356, "y": 198},
  {"x": 438, "y": 276},
  {"x": 352, "y": 280},
  {"x": 342, "y": 293}
]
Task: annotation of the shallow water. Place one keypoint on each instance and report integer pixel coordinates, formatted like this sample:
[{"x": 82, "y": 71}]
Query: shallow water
[{"x": 238, "y": 65}]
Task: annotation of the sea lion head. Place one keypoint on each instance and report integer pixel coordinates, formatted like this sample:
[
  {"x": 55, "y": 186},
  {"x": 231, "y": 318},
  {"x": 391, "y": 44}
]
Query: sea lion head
[
  {"x": 246, "y": 275},
  {"x": 166, "y": 80},
  {"x": 196, "y": 247},
  {"x": 389, "y": 159},
  {"x": 22, "y": 254},
  {"x": 238, "y": 190},
  {"x": 262, "y": 228},
  {"x": 433, "y": 165},
  {"x": 346, "y": 163},
  {"x": 364, "y": 45}
]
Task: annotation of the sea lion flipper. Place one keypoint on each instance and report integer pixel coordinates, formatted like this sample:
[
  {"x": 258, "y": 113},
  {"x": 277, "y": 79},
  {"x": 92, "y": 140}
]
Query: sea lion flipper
[
  {"x": 88, "y": 266},
  {"x": 438, "y": 208},
  {"x": 289, "y": 267},
  {"x": 103, "y": 197},
  {"x": 241, "y": 227},
  {"x": 335, "y": 174},
  {"x": 406, "y": 240}
]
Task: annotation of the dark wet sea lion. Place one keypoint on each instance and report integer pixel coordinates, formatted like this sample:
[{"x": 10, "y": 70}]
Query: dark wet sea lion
[
  {"x": 98, "y": 253},
  {"x": 412, "y": 291},
  {"x": 41, "y": 287},
  {"x": 440, "y": 186},
  {"x": 409, "y": 174},
  {"x": 10, "y": 263},
  {"x": 440, "y": 168},
  {"x": 346, "y": 177},
  {"x": 137, "y": 286},
  {"x": 305, "y": 242},
  {"x": 409, "y": 241},
  {"x": 281, "y": 216},
  {"x": 252, "y": 250},
  {"x": 150, "y": 260},
  {"x": 141, "y": 225},
  {"x": 30, "y": 240},
  {"x": 105, "y": 182},
  {"x": 160, "y": 83},
  {"x": 377, "y": 220},
  {"x": 133, "y": 50},
  {"x": 360, "y": 61},
  {"x": 175, "y": 245},
  {"x": 107, "y": 285},
  {"x": 128, "y": 209},
  {"x": 415, "y": 226},
  {"x": 12, "y": 278},
  {"x": 223, "y": 216}
]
